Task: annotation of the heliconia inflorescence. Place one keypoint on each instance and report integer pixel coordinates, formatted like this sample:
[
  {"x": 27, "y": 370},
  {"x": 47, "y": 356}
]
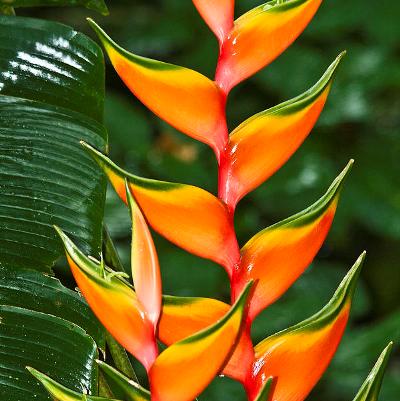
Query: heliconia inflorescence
[{"x": 206, "y": 337}]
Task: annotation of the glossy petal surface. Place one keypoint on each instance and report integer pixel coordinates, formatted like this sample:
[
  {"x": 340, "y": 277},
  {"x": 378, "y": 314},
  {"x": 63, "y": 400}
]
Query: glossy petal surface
[
  {"x": 188, "y": 216},
  {"x": 183, "y": 316},
  {"x": 187, "y": 100},
  {"x": 184, "y": 369},
  {"x": 144, "y": 262},
  {"x": 218, "y": 15},
  {"x": 298, "y": 356},
  {"x": 261, "y": 35},
  {"x": 123, "y": 387},
  {"x": 278, "y": 255},
  {"x": 369, "y": 391},
  {"x": 264, "y": 142},
  {"x": 114, "y": 303}
]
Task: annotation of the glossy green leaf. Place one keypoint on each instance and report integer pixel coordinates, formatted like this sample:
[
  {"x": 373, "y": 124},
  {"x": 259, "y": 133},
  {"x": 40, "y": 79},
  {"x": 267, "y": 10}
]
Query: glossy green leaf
[
  {"x": 96, "y": 5},
  {"x": 369, "y": 391},
  {"x": 35, "y": 291},
  {"x": 52, "y": 82},
  {"x": 48, "y": 343}
]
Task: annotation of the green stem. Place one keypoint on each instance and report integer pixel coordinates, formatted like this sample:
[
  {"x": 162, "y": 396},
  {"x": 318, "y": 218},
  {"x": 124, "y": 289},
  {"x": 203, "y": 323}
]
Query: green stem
[{"x": 120, "y": 357}]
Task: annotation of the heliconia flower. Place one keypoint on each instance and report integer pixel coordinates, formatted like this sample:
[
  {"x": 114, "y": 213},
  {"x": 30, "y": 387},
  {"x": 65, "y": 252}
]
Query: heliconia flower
[
  {"x": 144, "y": 261},
  {"x": 184, "y": 98},
  {"x": 264, "y": 142},
  {"x": 369, "y": 391},
  {"x": 184, "y": 316},
  {"x": 184, "y": 369},
  {"x": 114, "y": 302},
  {"x": 188, "y": 216},
  {"x": 259, "y": 36},
  {"x": 60, "y": 393},
  {"x": 218, "y": 15},
  {"x": 123, "y": 387},
  {"x": 298, "y": 356},
  {"x": 276, "y": 257}
]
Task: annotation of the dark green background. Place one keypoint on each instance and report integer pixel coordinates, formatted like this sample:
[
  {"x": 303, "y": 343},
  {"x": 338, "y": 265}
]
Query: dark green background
[{"x": 361, "y": 121}]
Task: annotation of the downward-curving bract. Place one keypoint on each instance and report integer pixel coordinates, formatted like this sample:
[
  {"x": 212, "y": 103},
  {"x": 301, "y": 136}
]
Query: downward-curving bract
[{"x": 201, "y": 338}]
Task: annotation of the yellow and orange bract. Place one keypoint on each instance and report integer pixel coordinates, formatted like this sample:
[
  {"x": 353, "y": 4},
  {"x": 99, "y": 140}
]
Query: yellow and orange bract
[
  {"x": 278, "y": 255},
  {"x": 218, "y": 14},
  {"x": 184, "y": 98},
  {"x": 259, "y": 36},
  {"x": 144, "y": 262},
  {"x": 184, "y": 316},
  {"x": 264, "y": 142},
  {"x": 115, "y": 304},
  {"x": 299, "y": 355},
  {"x": 185, "y": 368},
  {"x": 188, "y": 216}
]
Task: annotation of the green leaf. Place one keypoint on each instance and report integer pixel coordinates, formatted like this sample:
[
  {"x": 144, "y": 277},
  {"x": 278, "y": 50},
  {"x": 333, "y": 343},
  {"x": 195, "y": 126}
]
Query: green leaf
[
  {"x": 96, "y": 5},
  {"x": 52, "y": 82},
  {"x": 35, "y": 291},
  {"x": 48, "y": 343}
]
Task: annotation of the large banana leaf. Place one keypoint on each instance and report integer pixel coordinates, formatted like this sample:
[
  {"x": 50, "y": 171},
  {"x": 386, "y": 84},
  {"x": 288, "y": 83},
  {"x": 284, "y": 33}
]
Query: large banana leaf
[
  {"x": 50, "y": 344},
  {"x": 38, "y": 292},
  {"x": 96, "y": 5},
  {"x": 51, "y": 97}
]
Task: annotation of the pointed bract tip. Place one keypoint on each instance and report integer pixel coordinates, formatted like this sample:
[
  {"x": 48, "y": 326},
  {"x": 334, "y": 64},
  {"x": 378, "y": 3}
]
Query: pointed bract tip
[
  {"x": 41, "y": 377},
  {"x": 339, "y": 181},
  {"x": 102, "y": 35},
  {"x": 61, "y": 234},
  {"x": 337, "y": 61},
  {"x": 350, "y": 280},
  {"x": 31, "y": 370},
  {"x": 96, "y": 154}
]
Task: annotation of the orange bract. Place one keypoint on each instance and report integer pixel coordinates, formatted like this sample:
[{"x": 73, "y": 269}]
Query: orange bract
[
  {"x": 264, "y": 142},
  {"x": 168, "y": 90},
  {"x": 278, "y": 255},
  {"x": 259, "y": 36},
  {"x": 144, "y": 261},
  {"x": 183, "y": 316},
  {"x": 299, "y": 355},
  {"x": 188, "y": 216},
  {"x": 115, "y": 304},
  {"x": 184, "y": 369}
]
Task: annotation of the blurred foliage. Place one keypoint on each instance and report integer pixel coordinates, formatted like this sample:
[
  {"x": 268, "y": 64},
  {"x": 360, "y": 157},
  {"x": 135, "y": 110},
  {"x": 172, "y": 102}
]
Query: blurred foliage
[{"x": 360, "y": 121}]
